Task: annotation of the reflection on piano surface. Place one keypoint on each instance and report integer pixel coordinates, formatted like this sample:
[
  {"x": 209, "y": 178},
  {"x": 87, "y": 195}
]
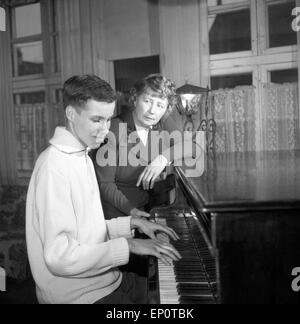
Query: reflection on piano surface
[{"x": 240, "y": 232}]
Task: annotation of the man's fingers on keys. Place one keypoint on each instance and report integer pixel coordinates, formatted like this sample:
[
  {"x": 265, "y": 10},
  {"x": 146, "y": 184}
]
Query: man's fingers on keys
[
  {"x": 164, "y": 259},
  {"x": 141, "y": 178},
  {"x": 151, "y": 235},
  {"x": 170, "y": 232},
  {"x": 174, "y": 233},
  {"x": 169, "y": 247},
  {"x": 172, "y": 249},
  {"x": 169, "y": 253},
  {"x": 161, "y": 257}
]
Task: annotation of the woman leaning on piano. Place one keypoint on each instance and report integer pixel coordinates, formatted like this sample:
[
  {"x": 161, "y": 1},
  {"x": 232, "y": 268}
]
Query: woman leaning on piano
[{"x": 125, "y": 189}]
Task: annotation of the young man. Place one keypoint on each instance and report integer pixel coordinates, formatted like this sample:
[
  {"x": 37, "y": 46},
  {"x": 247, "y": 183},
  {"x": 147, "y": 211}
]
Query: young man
[{"x": 74, "y": 253}]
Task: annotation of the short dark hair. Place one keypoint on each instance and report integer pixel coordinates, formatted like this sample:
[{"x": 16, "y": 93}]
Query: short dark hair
[{"x": 79, "y": 89}]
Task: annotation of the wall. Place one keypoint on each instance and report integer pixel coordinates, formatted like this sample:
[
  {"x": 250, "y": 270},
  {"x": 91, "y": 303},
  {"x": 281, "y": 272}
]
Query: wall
[
  {"x": 184, "y": 39},
  {"x": 131, "y": 28},
  {"x": 82, "y": 41},
  {"x": 174, "y": 29},
  {"x": 94, "y": 33}
]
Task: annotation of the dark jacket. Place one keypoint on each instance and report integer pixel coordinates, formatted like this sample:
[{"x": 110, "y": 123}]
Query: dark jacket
[{"x": 117, "y": 184}]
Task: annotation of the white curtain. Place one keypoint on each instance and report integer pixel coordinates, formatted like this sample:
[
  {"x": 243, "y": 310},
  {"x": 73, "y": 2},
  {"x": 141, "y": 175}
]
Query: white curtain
[
  {"x": 280, "y": 117},
  {"x": 234, "y": 113},
  {"x": 32, "y": 132}
]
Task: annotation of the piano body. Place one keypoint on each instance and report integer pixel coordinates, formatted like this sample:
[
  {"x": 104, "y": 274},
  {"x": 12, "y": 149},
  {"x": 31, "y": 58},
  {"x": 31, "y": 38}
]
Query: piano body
[{"x": 240, "y": 232}]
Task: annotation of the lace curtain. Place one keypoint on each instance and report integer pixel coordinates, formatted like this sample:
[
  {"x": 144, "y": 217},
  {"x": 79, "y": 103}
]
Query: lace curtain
[
  {"x": 280, "y": 120},
  {"x": 232, "y": 109},
  {"x": 234, "y": 113},
  {"x": 32, "y": 131}
]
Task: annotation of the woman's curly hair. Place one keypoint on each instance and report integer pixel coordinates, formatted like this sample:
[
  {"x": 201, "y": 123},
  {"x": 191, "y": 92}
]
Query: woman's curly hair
[{"x": 165, "y": 88}]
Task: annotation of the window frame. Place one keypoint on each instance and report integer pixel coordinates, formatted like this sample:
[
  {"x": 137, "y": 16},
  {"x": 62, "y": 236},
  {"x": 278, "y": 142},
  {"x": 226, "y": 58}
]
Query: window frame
[
  {"x": 263, "y": 29},
  {"x": 50, "y": 77},
  {"x": 268, "y": 68},
  {"x": 24, "y": 40},
  {"x": 227, "y": 8},
  {"x": 260, "y": 60}
]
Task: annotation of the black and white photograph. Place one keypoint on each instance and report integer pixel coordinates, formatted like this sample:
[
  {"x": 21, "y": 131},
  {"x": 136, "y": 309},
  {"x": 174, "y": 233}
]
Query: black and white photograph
[{"x": 149, "y": 154}]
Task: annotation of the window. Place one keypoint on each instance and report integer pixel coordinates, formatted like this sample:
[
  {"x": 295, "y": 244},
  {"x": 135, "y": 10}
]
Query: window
[
  {"x": 127, "y": 72},
  {"x": 28, "y": 57},
  {"x": 230, "y": 81},
  {"x": 265, "y": 49},
  {"x": 34, "y": 41},
  {"x": 36, "y": 76},
  {"x": 258, "y": 37},
  {"x": 279, "y": 24},
  {"x": 283, "y": 76},
  {"x": 29, "y": 98},
  {"x": 27, "y": 20},
  {"x": 230, "y": 32}
]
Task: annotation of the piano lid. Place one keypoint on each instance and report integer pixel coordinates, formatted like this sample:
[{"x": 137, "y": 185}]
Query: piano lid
[{"x": 247, "y": 181}]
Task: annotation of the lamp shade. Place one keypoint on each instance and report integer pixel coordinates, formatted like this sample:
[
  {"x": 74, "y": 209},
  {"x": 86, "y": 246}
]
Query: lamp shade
[{"x": 191, "y": 89}]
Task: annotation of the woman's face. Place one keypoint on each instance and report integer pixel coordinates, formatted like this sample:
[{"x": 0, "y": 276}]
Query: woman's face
[{"x": 149, "y": 108}]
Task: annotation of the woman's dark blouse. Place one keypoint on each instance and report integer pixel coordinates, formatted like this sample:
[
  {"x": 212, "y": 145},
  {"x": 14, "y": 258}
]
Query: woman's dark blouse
[{"x": 117, "y": 184}]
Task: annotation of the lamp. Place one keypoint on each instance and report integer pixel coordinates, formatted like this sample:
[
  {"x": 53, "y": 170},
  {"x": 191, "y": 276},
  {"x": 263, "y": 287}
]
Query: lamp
[
  {"x": 194, "y": 103},
  {"x": 188, "y": 93}
]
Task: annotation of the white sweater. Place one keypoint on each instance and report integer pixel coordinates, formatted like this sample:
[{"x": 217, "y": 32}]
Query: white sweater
[{"x": 74, "y": 253}]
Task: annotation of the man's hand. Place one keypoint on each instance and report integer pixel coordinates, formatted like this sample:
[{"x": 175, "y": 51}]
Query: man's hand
[
  {"x": 163, "y": 251},
  {"x": 138, "y": 213},
  {"x": 150, "y": 229},
  {"x": 152, "y": 172}
]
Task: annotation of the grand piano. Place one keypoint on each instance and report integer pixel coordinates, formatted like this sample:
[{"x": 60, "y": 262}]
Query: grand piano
[{"x": 239, "y": 225}]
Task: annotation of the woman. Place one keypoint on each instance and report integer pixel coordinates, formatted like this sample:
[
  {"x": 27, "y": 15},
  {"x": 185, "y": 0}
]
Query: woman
[{"x": 125, "y": 189}]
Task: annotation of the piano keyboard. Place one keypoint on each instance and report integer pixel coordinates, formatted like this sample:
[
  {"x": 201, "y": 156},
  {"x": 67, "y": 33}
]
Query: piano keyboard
[{"x": 192, "y": 280}]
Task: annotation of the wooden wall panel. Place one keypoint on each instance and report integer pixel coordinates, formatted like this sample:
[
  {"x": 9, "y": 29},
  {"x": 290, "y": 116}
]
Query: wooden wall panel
[
  {"x": 8, "y": 147},
  {"x": 184, "y": 33},
  {"x": 81, "y": 26},
  {"x": 129, "y": 33}
]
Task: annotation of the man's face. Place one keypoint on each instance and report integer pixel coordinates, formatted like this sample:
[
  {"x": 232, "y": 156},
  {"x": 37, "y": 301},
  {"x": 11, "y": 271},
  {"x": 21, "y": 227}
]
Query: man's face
[
  {"x": 91, "y": 124},
  {"x": 150, "y": 108}
]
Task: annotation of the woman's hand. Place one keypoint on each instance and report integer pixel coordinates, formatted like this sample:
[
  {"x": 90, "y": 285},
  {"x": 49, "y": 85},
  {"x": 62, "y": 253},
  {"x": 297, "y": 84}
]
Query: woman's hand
[
  {"x": 151, "y": 229},
  {"x": 152, "y": 172},
  {"x": 138, "y": 213},
  {"x": 163, "y": 251}
]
